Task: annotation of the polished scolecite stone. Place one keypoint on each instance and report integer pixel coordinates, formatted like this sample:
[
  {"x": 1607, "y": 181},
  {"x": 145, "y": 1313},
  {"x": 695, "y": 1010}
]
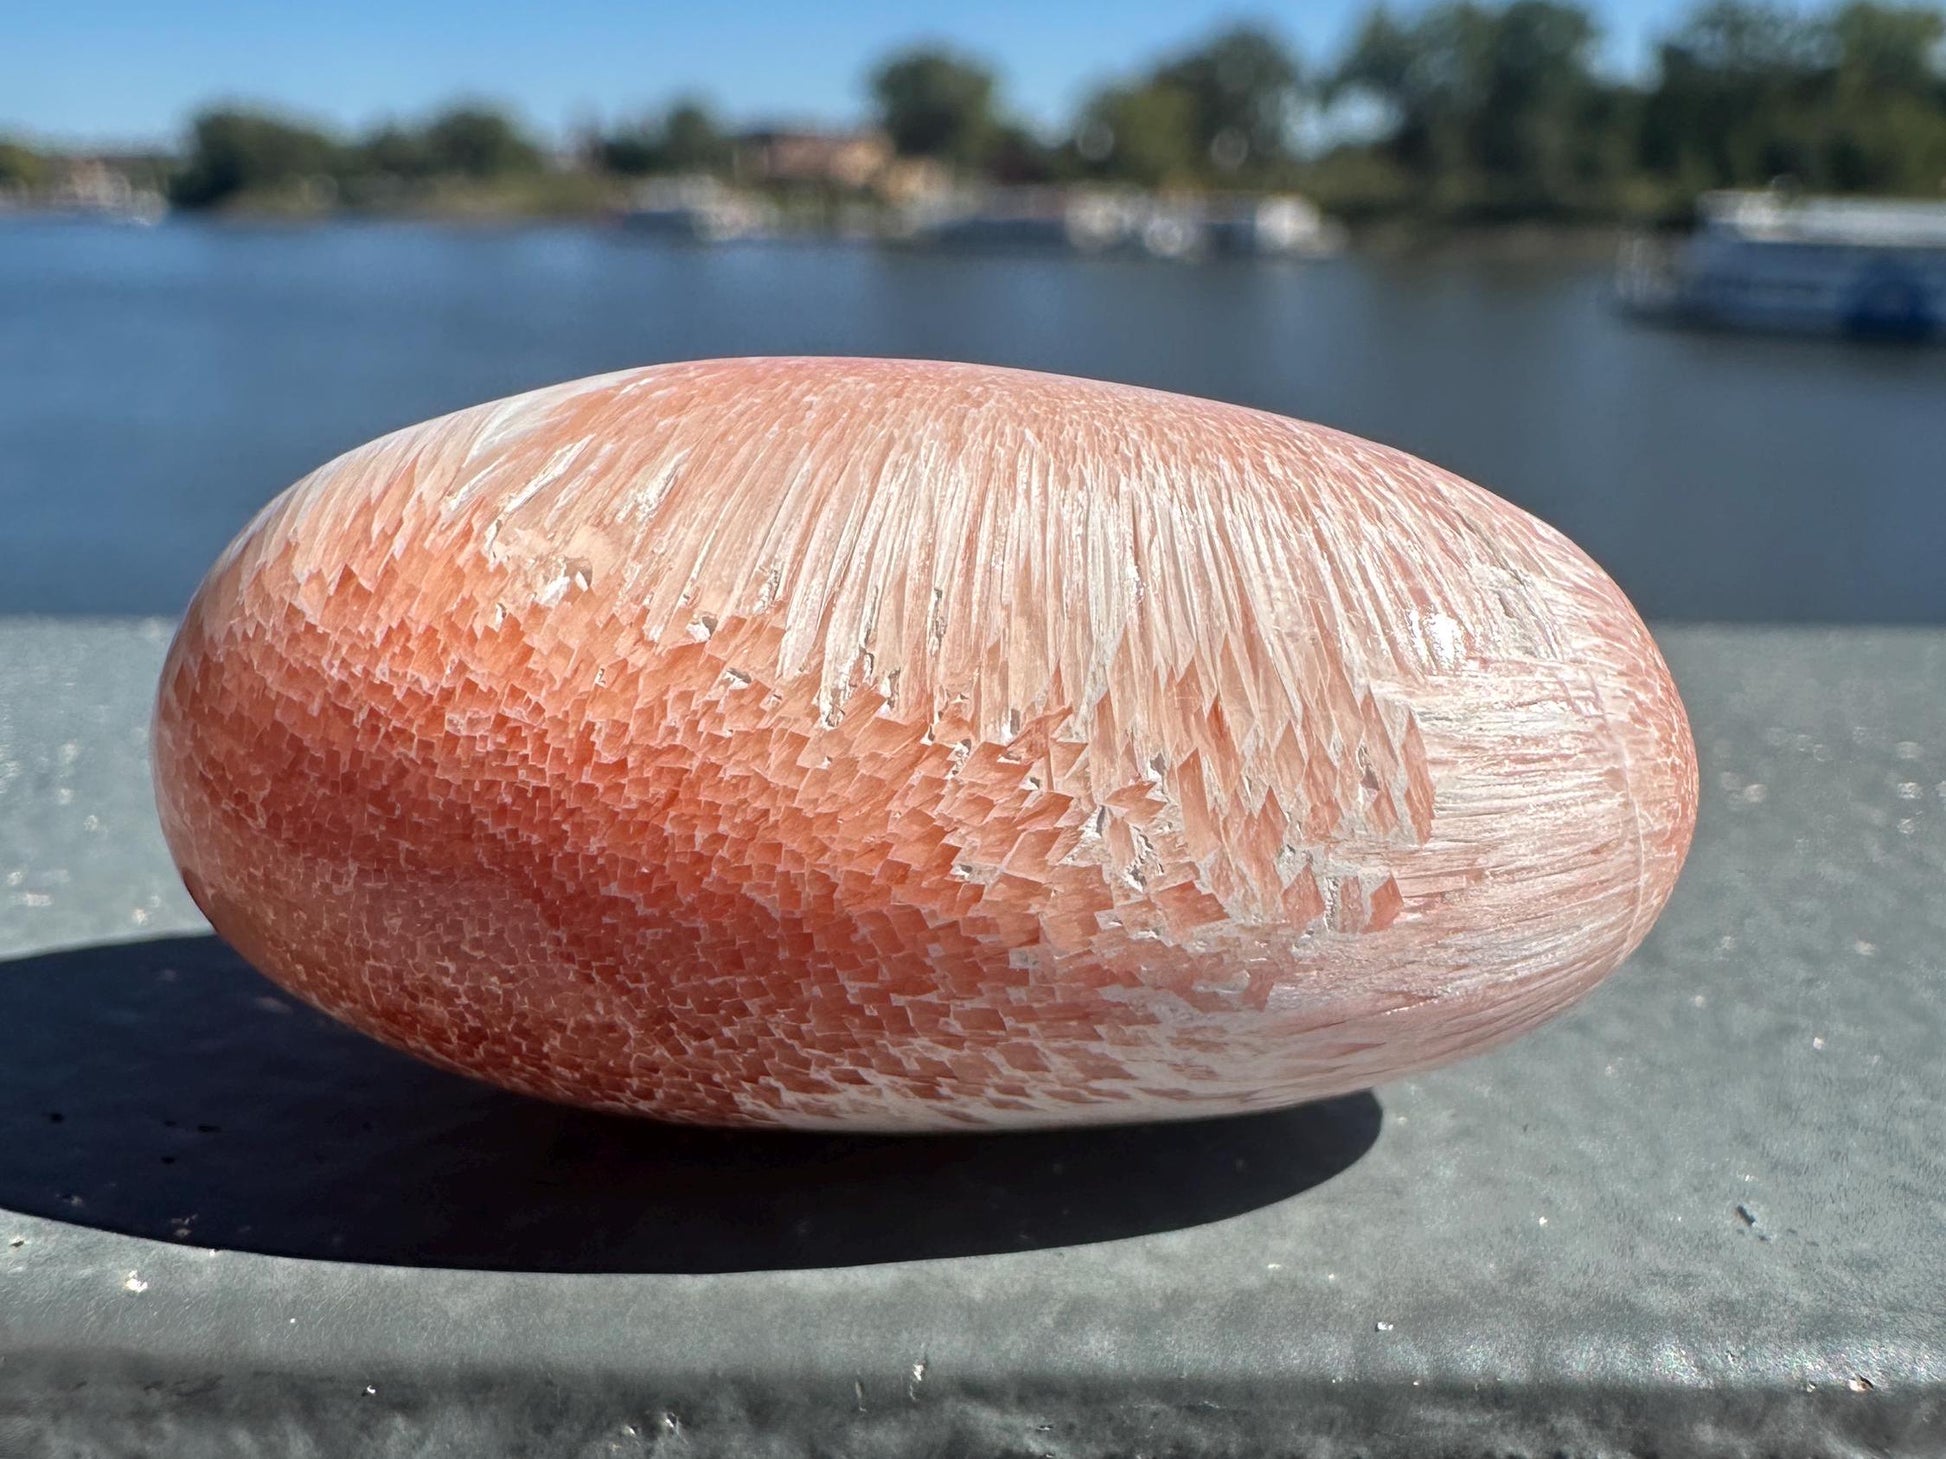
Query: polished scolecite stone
[{"x": 905, "y": 745}]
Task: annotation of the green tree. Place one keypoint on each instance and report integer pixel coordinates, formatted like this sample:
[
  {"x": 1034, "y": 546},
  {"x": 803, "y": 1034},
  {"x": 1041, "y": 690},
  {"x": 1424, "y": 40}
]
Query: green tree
[
  {"x": 232, "y": 151},
  {"x": 1887, "y": 130},
  {"x": 395, "y": 151},
  {"x": 934, "y": 103},
  {"x": 1145, "y": 133},
  {"x": 1529, "y": 134},
  {"x": 477, "y": 142},
  {"x": 692, "y": 141},
  {"x": 633, "y": 151},
  {"x": 20, "y": 166},
  {"x": 1852, "y": 101},
  {"x": 1244, "y": 89},
  {"x": 686, "y": 138},
  {"x": 1889, "y": 48},
  {"x": 1735, "y": 96},
  {"x": 1496, "y": 111}
]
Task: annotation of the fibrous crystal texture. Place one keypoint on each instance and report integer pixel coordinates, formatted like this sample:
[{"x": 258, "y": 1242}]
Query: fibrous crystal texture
[{"x": 904, "y": 745}]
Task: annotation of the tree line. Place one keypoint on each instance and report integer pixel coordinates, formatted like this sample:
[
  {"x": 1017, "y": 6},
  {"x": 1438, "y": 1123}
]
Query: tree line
[
  {"x": 1462, "y": 111},
  {"x": 234, "y": 152}
]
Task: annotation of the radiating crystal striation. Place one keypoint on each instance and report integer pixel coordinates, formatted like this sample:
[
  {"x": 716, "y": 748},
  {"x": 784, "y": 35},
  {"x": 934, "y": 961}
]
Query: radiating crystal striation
[{"x": 904, "y": 745}]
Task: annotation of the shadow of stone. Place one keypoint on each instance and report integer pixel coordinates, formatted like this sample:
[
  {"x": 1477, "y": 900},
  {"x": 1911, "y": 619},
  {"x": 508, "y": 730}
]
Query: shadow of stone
[{"x": 163, "y": 1089}]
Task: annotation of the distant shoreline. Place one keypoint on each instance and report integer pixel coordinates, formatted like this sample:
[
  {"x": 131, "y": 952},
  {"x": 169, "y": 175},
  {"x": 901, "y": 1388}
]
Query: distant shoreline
[{"x": 1511, "y": 242}]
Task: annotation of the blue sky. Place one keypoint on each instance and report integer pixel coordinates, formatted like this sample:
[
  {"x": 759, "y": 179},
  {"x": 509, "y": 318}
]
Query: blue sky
[{"x": 131, "y": 70}]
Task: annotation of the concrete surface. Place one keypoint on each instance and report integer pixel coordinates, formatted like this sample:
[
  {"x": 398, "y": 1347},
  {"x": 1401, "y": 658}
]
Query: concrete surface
[{"x": 1704, "y": 1211}]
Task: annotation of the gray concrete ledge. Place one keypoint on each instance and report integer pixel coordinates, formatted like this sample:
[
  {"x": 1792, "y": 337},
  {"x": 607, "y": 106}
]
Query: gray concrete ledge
[{"x": 1704, "y": 1211}]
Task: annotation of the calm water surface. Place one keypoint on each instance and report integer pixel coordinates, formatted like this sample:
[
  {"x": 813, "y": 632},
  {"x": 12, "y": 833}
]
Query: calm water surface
[{"x": 158, "y": 385}]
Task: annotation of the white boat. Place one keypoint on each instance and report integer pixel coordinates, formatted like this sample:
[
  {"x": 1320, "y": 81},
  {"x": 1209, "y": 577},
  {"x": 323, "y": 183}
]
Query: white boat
[
  {"x": 698, "y": 209},
  {"x": 1104, "y": 220},
  {"x": 1776, "y": 261},
  {"x": 1030, "y": 218},
  {"x": 1278, "y": 226}
]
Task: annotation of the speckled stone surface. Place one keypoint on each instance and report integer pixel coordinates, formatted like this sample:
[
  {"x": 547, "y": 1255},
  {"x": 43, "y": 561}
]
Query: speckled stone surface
[{"x": 1702, "y": 1211}]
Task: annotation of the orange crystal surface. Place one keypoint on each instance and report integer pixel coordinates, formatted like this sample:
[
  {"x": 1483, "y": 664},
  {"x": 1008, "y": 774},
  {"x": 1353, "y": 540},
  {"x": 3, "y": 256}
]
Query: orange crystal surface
[{"x": 903, "y": 745}]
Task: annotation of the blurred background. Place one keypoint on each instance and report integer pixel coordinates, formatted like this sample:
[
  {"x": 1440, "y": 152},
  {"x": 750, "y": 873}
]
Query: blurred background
[{"x": 1671, "y": 276}]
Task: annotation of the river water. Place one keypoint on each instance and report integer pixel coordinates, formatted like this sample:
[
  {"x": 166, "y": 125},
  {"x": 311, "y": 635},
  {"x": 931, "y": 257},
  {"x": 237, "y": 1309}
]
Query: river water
[{"x": 157, "y": 385}]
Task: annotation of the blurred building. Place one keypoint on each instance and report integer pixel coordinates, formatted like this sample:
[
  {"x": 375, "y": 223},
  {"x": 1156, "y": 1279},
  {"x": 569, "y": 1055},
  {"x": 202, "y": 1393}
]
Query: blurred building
[
  {"x": 850, "y": 160},
  {"x": 908, "y": 182}
]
